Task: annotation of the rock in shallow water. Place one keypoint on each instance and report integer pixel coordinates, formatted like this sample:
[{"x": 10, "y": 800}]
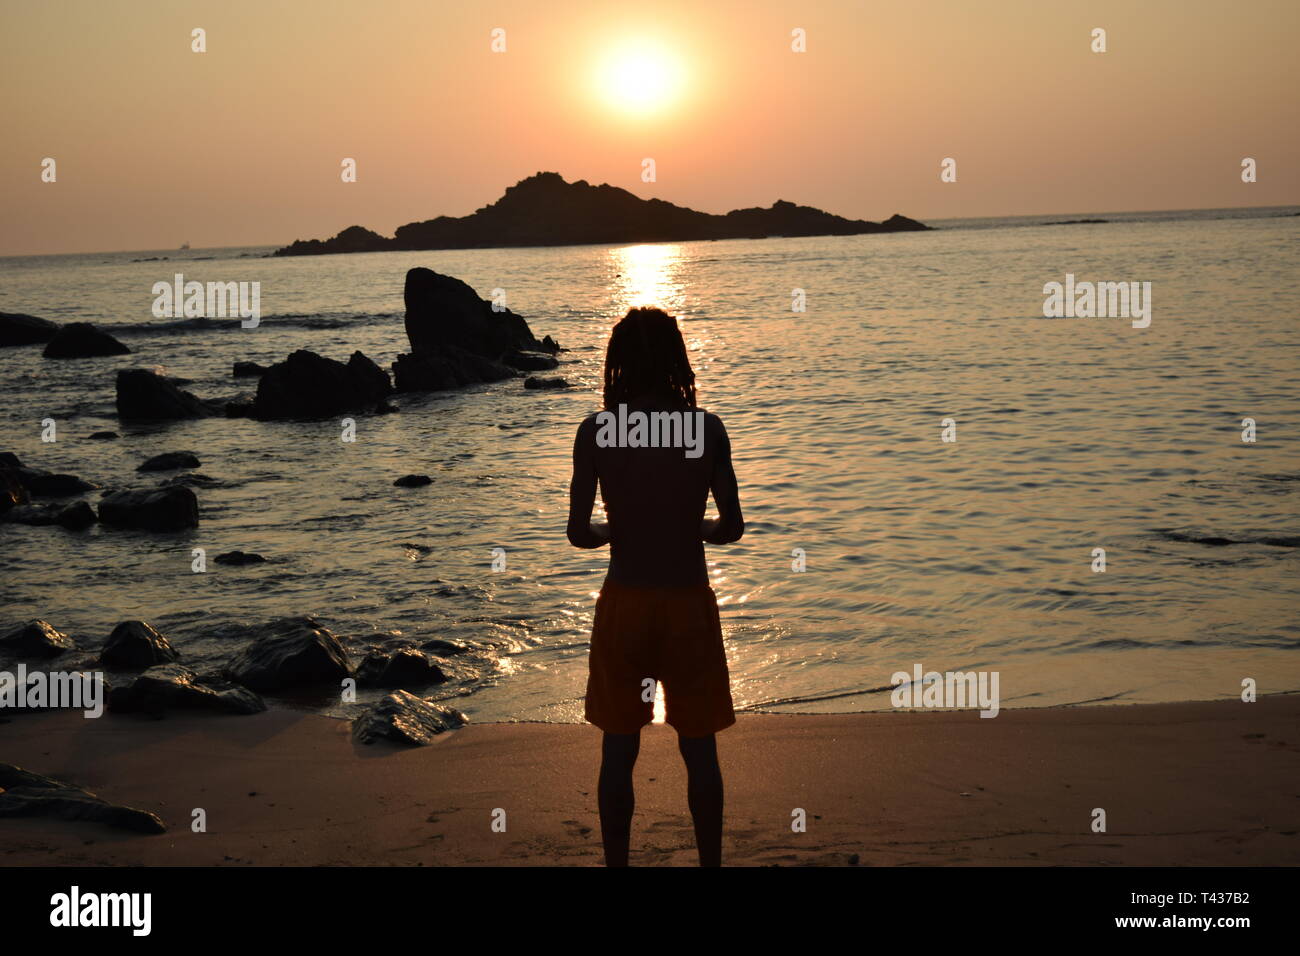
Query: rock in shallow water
[
  {"x": 83, "y": 340},
  {"x": 450, "y": 367},
  {"x": 27, "y": 794},
  {"x": 445, "y": 648},
  {"x": 239, "y": 558},
  {"x": 192, "y": 479},
  {"x": 142, "y": 394},
  {"x": 12, "y": 492},
  {"x": 413, "y": 481},
  {"x": 290, "y": 652},
  {"x": 404, "y": 668},
  {"x": 442, "y": 310},
  {"x": 19, "y": 329},
  {"x": 543, "y": 383},
  {"x": 307, "y": 386},
  {"x": 74, "y": 517},
  {"x": 405, "y": 719},
  {"x": 36, "y": 638},
  {"x": 457, "y": 338},
  {"x": 172, "y": 686},
  {"x": 47, "y": 485},
  {"x": 169, "y": 461},
  {"x": 135, "y": 645},
  {"x": 529, "y": 361},
  {"x": 173, "y": 508}
]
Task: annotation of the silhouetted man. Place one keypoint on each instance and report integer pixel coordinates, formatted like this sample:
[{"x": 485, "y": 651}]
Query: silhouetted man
[{"x": 656, "y": 457}]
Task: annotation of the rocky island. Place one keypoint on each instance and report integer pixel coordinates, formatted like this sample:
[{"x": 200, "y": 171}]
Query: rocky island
[{"x": 544, "y": 210}]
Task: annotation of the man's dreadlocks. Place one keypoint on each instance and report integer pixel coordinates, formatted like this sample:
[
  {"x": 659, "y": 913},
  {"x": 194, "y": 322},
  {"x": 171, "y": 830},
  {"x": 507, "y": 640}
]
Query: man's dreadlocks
[{"x": 646, "y": 356}]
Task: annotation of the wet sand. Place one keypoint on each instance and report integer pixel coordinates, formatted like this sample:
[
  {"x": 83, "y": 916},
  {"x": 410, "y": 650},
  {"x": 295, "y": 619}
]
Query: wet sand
[{"x": 1203, "y": 783}]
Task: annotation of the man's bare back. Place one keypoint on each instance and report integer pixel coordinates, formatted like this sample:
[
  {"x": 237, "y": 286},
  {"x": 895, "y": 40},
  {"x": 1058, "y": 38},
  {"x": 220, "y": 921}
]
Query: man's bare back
[{"x": 655, "y": 500}]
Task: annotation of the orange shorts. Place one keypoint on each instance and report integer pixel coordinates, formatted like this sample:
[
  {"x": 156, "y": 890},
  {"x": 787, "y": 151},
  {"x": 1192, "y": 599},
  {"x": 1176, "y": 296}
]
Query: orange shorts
[{"x": 669, "y": 635}]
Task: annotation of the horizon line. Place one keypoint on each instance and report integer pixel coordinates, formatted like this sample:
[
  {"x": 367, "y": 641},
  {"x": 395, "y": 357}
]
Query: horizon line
[{"x": 1030, "y": 215}]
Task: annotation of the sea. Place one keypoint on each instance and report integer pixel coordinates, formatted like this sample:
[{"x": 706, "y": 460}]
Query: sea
[{"x": 933, "y": 473}]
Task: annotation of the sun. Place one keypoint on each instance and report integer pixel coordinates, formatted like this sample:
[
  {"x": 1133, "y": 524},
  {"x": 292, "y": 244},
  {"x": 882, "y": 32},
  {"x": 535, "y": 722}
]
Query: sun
[{"x": 639, "y": 78}]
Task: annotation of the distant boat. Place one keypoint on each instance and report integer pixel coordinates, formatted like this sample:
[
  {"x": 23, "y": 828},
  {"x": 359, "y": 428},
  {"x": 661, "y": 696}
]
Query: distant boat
[{"x": 185, "y": 245}]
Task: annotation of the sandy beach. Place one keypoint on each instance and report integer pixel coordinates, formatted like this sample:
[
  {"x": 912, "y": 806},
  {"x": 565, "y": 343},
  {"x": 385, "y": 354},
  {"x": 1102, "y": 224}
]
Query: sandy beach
[{"x": 1202, "y": 783}]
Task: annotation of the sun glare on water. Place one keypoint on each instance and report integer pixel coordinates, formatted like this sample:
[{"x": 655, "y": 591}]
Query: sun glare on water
[{"x": 639, "y": 79}]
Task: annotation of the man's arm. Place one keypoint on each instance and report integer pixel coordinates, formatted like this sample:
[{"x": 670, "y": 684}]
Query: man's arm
[
  {"x": 729, "y": 526},
  {"x": 582, "y": 531}
]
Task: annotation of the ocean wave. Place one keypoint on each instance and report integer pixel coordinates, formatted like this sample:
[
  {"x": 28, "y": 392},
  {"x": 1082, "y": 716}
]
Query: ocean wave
[{"x": 1272, "y": 539}]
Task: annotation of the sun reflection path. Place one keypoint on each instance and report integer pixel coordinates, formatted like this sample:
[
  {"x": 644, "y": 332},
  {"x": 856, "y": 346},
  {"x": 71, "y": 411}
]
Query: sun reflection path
[{"x": 648, "y": 274}]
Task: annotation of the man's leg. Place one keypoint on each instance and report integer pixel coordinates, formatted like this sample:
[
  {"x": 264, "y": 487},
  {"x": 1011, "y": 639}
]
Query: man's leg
[
  {"x": 704, "y": 795},
  {"x": 615, "y": 796}
]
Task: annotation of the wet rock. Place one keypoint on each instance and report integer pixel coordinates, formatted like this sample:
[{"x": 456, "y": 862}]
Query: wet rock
[
  {"x": 405, "y": 719},
  {"x": 290, "y": 652},
  {"x": 143, "y": 394},
  {"x": 135, "y": 645},
  {"x": 247, "y": 369},
  {"x": 37, "y": 516},
  {"x": 442, "y": 310},
  {"x": 385, "y": 408},
  {"x": 413, "y": 481},
  {"x": 83, "y": 340},
  {"x": 104, "y": 436},
  {"x": 456, "y": 338},
  {"x": 47, "y": 485},
  {"x": 551, "y": 345},
  {"x": 76, "y": 517},
  {"x": 373, "y": 380},
  {"x": 27, "y": 794},
  {"x": 193, "y": 479},
  {"x": 239, "y": 558},
  {"x": 543, "y": 383},
  {"x": 12, "y": 492},
  {"x": 172, "y": 686},
  {"x": 450, "y": 367},
  {"x": 36, "y": 638},
  {"x": 170, "y": 461},
  {"x": 171, "y": 508},
  {"x": 445, "y": 648},
  {"x": 307, "y": 386},
  {"x": 240, "y": 408},
  {"x": 404, "y": 668},
  {"x": 19, "y": 329},
  {"x": 529, "y": 361}
]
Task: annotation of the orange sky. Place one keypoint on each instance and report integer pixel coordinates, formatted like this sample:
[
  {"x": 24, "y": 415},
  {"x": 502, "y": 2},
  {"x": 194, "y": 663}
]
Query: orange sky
[{"x": 157, "y": 145}]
